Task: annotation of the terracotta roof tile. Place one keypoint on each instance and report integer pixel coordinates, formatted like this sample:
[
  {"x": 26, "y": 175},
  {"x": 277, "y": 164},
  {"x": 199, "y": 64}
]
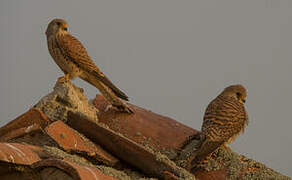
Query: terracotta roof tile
[
  {"x": 131, "y": 152},
  {"x": 29, "y": 121},
  {"x": 29, "y": 156},
  {"x": 71, "y": 140},
  {"x": 205, "y": 175},
  {"x": 75, "y": 170},
  {"x": 145, "y": 127},
  {"x": 20, "y": 132},
  {"x": 19, "y": 153},
  {"x": 138, "y": 140}
]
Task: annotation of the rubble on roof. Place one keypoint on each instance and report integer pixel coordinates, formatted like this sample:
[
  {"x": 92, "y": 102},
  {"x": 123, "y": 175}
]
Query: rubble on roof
[
  {"x": 66, "y": 97},
  {"x": 66, "y": 137}
]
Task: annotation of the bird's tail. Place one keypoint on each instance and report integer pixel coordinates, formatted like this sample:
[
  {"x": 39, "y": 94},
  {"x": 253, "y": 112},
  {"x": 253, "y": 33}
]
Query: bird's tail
[
  {"x": 109, "y": 84},
  {"x": 106, "y": 91},
  {"x": 206, "y": 148}
]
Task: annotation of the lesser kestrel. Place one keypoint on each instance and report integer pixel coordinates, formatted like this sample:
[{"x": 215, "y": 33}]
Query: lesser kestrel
[
  {"x": 74, "y": 61},
  {"x": 225, "y": 118}
]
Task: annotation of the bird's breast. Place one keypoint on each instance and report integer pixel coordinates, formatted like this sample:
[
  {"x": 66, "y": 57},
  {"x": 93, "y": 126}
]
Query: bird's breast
[{"x": 64, "y": 62}]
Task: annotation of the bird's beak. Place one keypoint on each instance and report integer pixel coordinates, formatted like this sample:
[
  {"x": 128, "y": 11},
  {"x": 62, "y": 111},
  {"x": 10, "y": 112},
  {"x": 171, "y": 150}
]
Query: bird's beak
[{"x": 65, "y": 27}]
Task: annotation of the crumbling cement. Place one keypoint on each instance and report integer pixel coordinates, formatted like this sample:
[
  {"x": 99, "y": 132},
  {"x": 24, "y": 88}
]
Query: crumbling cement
[
  {"x": 237, "y": 166},
  {"x": 181, "y": 172},
  {"x": 130, "y": 175},
  {"x": 66, "y": 97},
  {"x": 240, "y": 167}
]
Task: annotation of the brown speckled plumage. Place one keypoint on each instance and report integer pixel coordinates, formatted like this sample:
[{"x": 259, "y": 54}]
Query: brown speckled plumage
[
  {"x": 225, "y": 118},
  {"x": 74, "y": 61}
]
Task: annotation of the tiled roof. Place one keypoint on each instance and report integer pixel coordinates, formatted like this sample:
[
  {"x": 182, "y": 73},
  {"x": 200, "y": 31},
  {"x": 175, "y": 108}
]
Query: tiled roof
[
  {"x": 142, "y": 145},
  {"x": 71, "y": 141},
  {"x": 19, "y": 153},
  {"x": 75, "y": 170},
  {"x": 145, "y": 127},
  {"x": 29, "y": 121}
]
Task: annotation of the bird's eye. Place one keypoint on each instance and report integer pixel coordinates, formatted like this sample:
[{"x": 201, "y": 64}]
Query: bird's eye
[
  {"x": 58, "y": 23},
  {"x": 238, "y": 94},
  {"x": 65, "y": 29}
]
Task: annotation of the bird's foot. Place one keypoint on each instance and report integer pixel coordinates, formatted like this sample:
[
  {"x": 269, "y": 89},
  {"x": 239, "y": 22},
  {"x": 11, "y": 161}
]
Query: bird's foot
[
  {"x": 126, "y": 108},
  {"x": 64, "y": 79},
  {"x": 122, "y": 108}
]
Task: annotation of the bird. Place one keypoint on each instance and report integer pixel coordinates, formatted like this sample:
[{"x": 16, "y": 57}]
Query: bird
[
  {"x": 72, "y": 58},
  {"x": 224, "y": 119}
]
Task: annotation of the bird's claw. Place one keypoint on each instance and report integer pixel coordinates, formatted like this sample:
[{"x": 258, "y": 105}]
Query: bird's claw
[
  {"x": 127, "y": 109},
  {"x": 123, "y": 108},
  {"x": 64, "y": 79}
]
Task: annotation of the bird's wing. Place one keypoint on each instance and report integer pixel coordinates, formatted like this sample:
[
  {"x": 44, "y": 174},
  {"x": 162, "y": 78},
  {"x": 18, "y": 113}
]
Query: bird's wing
[
  {"x": 74, "y": 50},
  {"x": 223, "y": 119},
  {"x": 207, "y": 147}
]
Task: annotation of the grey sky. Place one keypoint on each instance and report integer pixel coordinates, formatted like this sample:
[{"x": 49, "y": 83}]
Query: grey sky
[{"x": 172, "y": 57}]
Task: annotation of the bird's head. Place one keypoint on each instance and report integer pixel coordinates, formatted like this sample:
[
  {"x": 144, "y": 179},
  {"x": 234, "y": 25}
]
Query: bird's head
[
  {"x": 236, "y": 91},
  {"x": 57, "y": 26}
]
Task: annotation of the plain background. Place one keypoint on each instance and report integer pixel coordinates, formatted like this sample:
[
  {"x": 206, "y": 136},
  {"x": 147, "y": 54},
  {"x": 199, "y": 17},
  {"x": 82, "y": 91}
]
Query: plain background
[{"x": 172, "y": 57}]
